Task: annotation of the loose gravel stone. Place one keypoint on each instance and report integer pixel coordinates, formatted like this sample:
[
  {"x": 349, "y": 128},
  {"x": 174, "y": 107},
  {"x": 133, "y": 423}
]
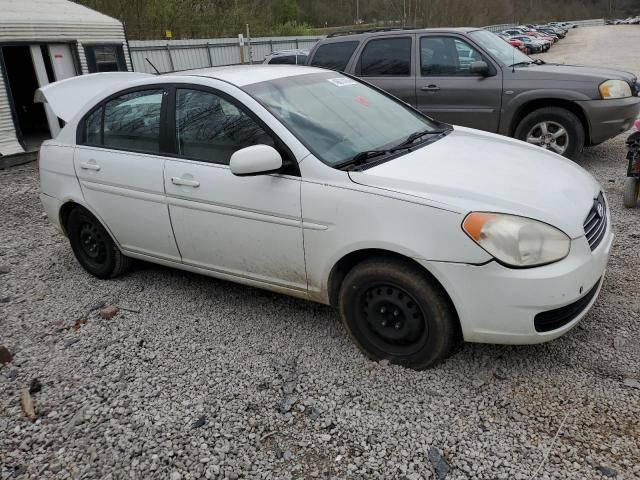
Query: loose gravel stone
[
  {"x": 224, "y": 357},
  {"x": 5, "y": 355}
]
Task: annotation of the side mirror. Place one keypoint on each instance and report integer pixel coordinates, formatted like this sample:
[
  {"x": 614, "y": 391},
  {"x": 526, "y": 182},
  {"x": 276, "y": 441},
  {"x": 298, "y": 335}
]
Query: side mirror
[
  {"x": 480, "y": 68},
  {"x": 255, "y": 160}
]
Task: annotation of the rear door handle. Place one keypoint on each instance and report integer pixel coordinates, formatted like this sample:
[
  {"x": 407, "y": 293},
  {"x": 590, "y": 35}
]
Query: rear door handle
[
  {"x": 185, "y": 182},
  {"x": 430, "y": 88},
  {"x": 90, "y": 165}
]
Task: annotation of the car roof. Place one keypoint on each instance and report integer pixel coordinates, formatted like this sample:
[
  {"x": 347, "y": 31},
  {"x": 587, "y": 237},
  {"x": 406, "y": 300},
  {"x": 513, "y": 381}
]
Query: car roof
[
  {"x": 361, "y": 34},
  {"x": 292, "y": 51},
  {"x": 242, "y": 75}
]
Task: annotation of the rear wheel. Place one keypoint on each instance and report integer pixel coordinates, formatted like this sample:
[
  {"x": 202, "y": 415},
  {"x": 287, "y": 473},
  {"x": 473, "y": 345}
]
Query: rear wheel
[
  {"x": 631, "y": 192},
  {"x": 393, "y": 311},
  {"x": 553, "y": 128},
  {"x": 93, "y": 247}
]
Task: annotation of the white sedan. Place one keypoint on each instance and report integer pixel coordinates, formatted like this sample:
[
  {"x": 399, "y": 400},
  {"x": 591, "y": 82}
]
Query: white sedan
[{"x": 314, "y": 184}]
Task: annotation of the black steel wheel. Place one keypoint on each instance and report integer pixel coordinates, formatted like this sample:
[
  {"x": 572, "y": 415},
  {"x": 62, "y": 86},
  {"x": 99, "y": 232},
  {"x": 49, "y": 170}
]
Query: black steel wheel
[
  {"x": 93, "y": 247},
  {"x": 393, "y": 310}
]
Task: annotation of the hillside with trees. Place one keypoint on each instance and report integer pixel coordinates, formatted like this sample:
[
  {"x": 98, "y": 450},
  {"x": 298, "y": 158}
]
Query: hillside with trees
[{"x": 150, "y": 19}]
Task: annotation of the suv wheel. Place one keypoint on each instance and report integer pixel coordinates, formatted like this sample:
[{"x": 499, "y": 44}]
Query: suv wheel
[
  {"x": 553, "y": 128},
  {"x": 93, "y": 247},
  {"x": 393, "y": 311}
]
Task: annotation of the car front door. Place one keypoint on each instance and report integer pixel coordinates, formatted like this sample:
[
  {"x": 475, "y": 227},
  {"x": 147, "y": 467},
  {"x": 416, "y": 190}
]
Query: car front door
[
  {"x": 248, "y": 227},
  {"x": 449, "y": 92},
  {"x": 119, "y": 166},
  {"x": 386, "y": 63}
]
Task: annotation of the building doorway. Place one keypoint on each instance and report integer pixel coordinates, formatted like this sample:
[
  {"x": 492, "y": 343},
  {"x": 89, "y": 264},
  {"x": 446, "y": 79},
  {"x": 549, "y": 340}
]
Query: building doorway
[{"x": 32, "y": 125}]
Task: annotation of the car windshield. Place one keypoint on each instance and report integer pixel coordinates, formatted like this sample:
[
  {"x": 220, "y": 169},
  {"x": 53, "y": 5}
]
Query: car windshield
[
  {"x": 503, "y": 51},
  {"x": 337, "y": 117}
]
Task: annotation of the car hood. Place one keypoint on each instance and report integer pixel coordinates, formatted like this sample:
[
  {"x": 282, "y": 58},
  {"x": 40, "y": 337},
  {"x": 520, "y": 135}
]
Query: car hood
[
  {"x": 469, "y": 170},
  {"x": 578, "y": 73}
]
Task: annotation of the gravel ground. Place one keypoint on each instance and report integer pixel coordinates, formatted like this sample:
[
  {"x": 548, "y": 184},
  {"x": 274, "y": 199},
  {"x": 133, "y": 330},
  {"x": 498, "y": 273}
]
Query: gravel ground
[{"x": 201, "y": 378}]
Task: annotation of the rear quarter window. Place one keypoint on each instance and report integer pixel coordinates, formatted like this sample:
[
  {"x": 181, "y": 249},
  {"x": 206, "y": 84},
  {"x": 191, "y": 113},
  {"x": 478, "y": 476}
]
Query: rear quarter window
[{"x": 335, "y": 56}]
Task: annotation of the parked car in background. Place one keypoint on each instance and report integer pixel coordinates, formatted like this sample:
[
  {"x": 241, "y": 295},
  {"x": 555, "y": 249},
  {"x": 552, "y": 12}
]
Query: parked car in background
[
  {"x": 259, "y": 174},
  {"x": 535, "y": 45},
  {"x": 287, "y": 57},
  {"x": 515, "y": 43},
  {"x": 559, "y": 107}
]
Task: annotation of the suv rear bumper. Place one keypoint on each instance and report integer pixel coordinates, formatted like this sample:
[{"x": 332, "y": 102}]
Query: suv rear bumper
[{"x": 609, "y": 118}]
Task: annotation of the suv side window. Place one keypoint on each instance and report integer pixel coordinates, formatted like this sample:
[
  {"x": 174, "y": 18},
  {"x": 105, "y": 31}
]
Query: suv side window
[
  {"x": 211, "y": 128},
  {"x": 386, "y": 57},
  {"x": 132, "y": 121},
  {"x": 335, "y": 56},
  {"x": 446, "y": 56},
  {"x": 128, "y": 122}
]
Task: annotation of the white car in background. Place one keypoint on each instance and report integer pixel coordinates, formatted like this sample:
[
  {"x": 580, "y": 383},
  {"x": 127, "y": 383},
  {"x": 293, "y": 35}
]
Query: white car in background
[
  {"x": 287, "y": 57},
  {"x": 314, "y": 184}
]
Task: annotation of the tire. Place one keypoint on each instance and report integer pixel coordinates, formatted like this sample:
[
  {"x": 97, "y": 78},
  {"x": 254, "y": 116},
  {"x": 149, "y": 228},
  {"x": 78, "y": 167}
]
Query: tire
[
  {"x": 93, "y": 247},
  {"x": 394, "y": 311},
  {"x": 568, "y": 145},
  {"x": 631, "y": 192}
]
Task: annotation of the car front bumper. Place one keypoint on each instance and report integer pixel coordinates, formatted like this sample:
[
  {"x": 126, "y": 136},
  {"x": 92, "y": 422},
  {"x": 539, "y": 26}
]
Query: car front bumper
[
  {"x": 496, "y": 304},
  {"x": 609, "y": 118}
]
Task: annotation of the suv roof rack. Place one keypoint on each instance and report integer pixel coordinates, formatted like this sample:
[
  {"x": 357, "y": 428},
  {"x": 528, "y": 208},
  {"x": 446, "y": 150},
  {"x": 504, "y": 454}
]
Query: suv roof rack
[{"x": 370, "y": 30}]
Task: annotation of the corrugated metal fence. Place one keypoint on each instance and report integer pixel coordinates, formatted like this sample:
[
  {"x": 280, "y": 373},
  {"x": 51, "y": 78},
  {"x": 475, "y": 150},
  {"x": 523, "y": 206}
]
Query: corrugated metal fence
[{"x": 175, "y": 55}]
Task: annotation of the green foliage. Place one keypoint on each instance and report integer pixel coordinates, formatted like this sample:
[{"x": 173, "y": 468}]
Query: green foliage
[{"x": 149, "y": 19}]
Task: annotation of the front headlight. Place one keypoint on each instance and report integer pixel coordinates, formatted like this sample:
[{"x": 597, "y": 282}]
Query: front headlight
[
  {"x": 517, "y": 241},
  {"x": 615, "y": 89}
]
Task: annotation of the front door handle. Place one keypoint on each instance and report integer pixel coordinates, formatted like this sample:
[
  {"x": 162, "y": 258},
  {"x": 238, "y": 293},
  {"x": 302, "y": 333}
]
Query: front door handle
[
  {"x": 90, "y": 165},
  {"x": 185, "y": 182},
  {"x": 430, "y": 88}
]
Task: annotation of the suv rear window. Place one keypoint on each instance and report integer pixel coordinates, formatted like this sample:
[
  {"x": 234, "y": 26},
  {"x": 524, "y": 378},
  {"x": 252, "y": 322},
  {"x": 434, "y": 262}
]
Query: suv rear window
[
  {"x": 386, "y": 57},
  {"x": 334, "y": 55}
]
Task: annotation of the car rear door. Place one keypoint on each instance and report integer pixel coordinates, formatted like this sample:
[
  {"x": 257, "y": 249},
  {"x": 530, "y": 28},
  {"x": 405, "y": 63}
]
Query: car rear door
[
  {"x": 387, "y": 63},
  {"x": 248, "y": 227},
  {"x": 447, "y": 90},
  {"x": 119, "y": 165}
]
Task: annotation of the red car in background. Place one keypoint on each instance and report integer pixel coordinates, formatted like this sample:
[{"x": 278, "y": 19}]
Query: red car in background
[{"x": 516, "y": 43}]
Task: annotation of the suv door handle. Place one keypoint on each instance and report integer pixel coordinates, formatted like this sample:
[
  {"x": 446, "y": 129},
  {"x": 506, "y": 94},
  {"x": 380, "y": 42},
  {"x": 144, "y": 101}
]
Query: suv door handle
[
  {"x": 430, "y": 88},
  {"x": 185, "y": 182},
  {"x": 90, "y": 165}
]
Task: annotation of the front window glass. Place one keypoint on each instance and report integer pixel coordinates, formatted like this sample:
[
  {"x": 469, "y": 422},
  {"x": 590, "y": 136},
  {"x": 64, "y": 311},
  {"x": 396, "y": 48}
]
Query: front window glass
[
  {"x": 503, "y": 51},
  {"x": 337, "y": 117},
  {"x": 211, "y": 129},
  {"x": 334, "y": 55},
  {"x": 386, "y": 57},
  {"x": 132, "y": 121},
  {"x": 446, "y": 56}
]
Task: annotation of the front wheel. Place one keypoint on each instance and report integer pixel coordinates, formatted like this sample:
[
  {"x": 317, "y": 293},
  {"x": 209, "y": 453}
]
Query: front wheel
[
  {"x": 553, "y": 128},
  {"x": 631, "y": 192},
  {"x": 394, "y": 311}
]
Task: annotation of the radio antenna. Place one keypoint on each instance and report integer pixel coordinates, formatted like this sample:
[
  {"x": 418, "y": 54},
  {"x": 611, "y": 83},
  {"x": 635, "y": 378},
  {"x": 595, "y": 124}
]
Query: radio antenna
[{"x": 152, "y": 65}]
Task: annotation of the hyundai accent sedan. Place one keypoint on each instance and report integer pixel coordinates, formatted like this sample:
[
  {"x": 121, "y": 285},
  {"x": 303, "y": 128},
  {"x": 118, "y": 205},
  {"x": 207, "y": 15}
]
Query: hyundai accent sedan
[{"x": 315, "y": 184}]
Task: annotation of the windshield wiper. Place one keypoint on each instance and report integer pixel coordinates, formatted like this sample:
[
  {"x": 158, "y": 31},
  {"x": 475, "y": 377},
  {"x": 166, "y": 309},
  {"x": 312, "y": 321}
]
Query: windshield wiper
[
  {"x": 415, "y": 136},
  {"x": 362, "y": 157},
  {"x": 520, "y": 64}
]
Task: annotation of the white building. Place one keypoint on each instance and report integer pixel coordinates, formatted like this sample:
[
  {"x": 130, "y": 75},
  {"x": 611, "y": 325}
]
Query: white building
[{"x": 42, "y": 41}]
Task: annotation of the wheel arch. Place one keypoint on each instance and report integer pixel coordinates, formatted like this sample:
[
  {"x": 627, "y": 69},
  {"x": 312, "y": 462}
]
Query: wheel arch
[
  {"x": 531, "y": 105},
  {"x": 69, "y": 205},
  {"x": 352, "y": 259}
]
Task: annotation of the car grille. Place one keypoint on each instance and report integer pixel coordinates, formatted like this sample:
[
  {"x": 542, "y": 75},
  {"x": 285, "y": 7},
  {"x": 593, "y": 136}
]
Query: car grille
[
  {"x": 554, "y": 319},
  {"x": 595, "y": 226},
  {"x": 635, "y": 88}
]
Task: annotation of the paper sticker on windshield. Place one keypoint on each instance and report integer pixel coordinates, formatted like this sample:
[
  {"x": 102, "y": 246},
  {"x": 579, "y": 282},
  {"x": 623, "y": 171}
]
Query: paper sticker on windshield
[{"x": 342, "y": 81}]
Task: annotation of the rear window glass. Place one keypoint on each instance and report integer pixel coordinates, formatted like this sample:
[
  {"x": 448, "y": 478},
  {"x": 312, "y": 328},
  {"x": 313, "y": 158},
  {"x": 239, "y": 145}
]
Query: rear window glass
[
  {"x": 132, "y": 121},
  {"x": 386, "y": 57},
  {"x": 335, "y": 56},
  {"x": 283, "y": 60}
]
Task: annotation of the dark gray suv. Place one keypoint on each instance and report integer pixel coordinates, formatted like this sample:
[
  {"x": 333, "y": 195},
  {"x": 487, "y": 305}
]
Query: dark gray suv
[{"x": 471, "y": 77}]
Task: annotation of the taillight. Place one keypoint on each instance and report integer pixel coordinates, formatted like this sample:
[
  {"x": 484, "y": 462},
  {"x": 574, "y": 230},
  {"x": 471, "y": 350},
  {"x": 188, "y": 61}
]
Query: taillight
[{"x": 637, "y": 125}]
